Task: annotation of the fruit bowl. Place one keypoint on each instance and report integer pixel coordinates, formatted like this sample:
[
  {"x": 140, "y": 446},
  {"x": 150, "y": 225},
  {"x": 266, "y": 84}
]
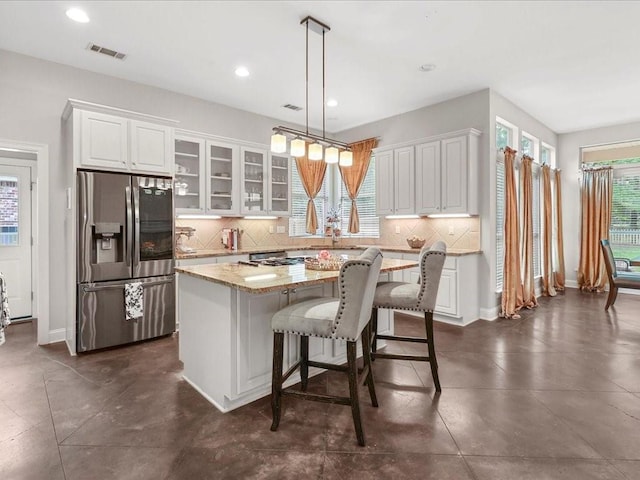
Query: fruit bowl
[{"x": 416, "y": 242}]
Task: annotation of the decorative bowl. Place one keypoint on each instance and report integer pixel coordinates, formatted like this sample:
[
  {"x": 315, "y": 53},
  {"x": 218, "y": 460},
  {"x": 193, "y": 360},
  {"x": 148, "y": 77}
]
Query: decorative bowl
[{"x": 416, "y": 242}]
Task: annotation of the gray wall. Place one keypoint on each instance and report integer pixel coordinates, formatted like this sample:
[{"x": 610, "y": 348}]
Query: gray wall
[
  {"x": 33, "y": 94},
  {"x": 569, "y": 161}
]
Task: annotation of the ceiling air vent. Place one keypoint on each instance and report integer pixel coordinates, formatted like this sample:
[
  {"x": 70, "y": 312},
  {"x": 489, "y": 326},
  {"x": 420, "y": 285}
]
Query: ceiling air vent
[
  {"x": 295, "y": 108},
  {"x": 106, "y": 51}
]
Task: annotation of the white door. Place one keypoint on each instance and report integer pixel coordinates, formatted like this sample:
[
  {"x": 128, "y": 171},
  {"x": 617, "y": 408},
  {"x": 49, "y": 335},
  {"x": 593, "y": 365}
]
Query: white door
[{"x": 15, "y": 237}]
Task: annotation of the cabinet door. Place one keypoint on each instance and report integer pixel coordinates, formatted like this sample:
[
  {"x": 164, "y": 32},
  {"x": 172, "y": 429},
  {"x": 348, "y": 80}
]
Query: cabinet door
[
  {"x": 384, "y": 183},
  {"x": 428, "y": 178},
  {"x": 454, "y": 175},
  {"x": 404, "y": 181},
  {"x": 222, "y": 185},
  {"x": 253, "y": 188},
  {"x": 447, "y": 299},
  {"x": 190, "y": 179},
  {"x": 104, "y": 141},
  {"x": 279, "y": 196},
  {"x": 254, "y": 347},
  {"x": 151, "y": 147}
]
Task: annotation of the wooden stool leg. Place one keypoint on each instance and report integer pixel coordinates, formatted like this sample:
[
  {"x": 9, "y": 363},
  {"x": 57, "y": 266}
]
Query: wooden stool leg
[
  {"x": 366, "y": 356},
  {"x": 428, "y": 318},
  {"x": 304, "y": 362},
  {"x": 353, "y": 390},
  {"x": 374, "y": 330},
  {"x": 276, "y": 379}
]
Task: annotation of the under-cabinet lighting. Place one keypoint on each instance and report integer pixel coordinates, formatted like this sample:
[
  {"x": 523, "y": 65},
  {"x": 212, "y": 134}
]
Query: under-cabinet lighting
[
  {"x": 259, "y": 217},
  {"x": 205, "y": 217},
  {"x": 264, "y": 276},
  {"x": 449, "y": 215},
  {"x": 395, "y": 217}
]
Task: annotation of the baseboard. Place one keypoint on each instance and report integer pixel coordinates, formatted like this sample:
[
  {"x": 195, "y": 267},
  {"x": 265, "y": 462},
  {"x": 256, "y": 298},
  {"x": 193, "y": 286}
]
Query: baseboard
[
  {"x": 57, "y": 335},
  {"x": 571, "y": 283},
  {"x": 490, "y": 313}
]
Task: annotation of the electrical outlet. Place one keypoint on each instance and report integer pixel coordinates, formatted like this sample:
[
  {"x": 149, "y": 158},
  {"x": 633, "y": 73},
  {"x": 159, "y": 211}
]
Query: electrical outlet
[
  {"x": 398, "y": 229},
  {"x": 281, "y": 229},
  {"x": 270, "y": 228},
  {"x": 451, "y": 231}
]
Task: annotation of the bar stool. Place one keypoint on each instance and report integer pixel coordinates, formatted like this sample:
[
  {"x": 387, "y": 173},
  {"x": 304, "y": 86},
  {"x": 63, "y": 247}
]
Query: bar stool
[
  {"x": 347, "y": 318},
  {"x": 418, "y": 297}
]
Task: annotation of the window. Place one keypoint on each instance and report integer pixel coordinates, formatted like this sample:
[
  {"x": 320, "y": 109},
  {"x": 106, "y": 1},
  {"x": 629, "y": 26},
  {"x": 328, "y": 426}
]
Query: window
[
  {"x": 505, "y": 134},
  {"x": 9, "y": 211},
  {"x": 536, "y": 207},
  {"x": 624, "y": 233},
  {"x": 334, "y": 193},
  {"x": 366, "y": 201}
]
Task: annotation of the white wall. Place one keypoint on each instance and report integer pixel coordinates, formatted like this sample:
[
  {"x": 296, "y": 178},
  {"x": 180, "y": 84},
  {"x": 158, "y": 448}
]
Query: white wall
[
  {"x": 33, "y": 94},
  {"x": 569, "y": 161}
]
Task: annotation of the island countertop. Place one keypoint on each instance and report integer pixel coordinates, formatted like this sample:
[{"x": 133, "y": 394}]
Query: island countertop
[{"x": 264, "y": 278}]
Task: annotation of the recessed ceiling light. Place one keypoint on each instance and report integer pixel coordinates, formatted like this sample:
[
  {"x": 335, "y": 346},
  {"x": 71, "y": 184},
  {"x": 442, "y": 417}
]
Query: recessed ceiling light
[
  {"x": 242, "y": 72},
  {"x": 78, "y": 15},
  {"x": 332, "y": 102},
  {"x": 427, "y": 67}
]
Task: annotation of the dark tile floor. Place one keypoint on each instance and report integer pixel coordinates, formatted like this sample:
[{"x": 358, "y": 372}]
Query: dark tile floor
[{"x": 553, "y": 395}]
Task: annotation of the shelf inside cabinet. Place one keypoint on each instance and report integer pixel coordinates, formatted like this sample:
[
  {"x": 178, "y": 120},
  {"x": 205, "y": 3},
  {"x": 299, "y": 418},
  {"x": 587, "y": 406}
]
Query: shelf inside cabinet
[
  {"x": 227, "y": 195},
  {"x": 279, "y": 183},
  {"x": 253, "y": 164},
  {"x": 249, "y": 180},
  {"x": 186, "y": 174},
  {"x": 190, "y": 155},
  {"x": 218, "y": 177},
  {"x": 219, "y": 159},
  {"x": 279, "y": 168}
]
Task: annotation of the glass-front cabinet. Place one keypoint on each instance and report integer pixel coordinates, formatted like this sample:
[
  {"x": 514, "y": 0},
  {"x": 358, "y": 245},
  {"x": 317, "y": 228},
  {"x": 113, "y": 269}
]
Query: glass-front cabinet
[
  {"x": 254, "y": 181},
  {"x": 189, "y": 178},
  {"x": 222, "y": 177},
  {"x": 279, "y": 185}
]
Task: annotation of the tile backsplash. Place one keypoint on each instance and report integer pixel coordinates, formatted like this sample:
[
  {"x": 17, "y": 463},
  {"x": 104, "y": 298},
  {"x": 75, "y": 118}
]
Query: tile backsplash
[{"x": 463, "y": 233}]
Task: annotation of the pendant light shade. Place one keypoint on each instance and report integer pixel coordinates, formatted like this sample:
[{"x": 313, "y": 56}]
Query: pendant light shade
[
  {"x": 315, "y": 151},
  {"x": 346, "y": 158},
  {"x": 331, "y": 155},
  {"x": 298, "y": 147},
  {"x": 278, "y": 143}
]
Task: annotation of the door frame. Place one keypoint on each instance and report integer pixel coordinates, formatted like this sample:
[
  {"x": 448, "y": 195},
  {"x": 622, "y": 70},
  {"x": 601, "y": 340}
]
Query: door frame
[{"x": 40, "y": 232}]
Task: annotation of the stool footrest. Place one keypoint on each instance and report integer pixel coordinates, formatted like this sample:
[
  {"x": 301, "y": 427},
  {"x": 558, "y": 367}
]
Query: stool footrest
[
  {"x": 291, "y": 370},
  {"x": 393, "y": 356},
  {"x": 401, "y": 339},
  {"x": 318, "y": 397},
  {"x": 328, "y": 366}
]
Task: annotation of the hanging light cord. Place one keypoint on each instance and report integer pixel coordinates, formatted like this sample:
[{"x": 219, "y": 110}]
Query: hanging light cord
[
  {"x": 306, "y": 73},
  {"x": 323, "y": 102}
]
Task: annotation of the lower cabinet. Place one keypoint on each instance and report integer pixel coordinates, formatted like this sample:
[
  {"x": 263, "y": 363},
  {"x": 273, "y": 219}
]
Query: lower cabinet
[{"x": 458, "y": 275}]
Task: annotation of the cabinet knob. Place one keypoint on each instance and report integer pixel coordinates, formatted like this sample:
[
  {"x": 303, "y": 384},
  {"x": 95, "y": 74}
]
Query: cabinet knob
[
  {"x": 284, "y": 292},
  {"x": 293, "y": 291}
]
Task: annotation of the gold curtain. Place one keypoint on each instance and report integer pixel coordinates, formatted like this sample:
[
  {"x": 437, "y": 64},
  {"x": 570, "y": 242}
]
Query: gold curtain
[
  {"x": 559, "y": 250},
  {"x": 511, "y": 285},
  {"x": 548, "y": 284},
  {"x": 353, "y": 176},
  {"x": 526, "y": 196},
  {"x": 596, "y": 197},
  {"x": 312, "y": 175}
]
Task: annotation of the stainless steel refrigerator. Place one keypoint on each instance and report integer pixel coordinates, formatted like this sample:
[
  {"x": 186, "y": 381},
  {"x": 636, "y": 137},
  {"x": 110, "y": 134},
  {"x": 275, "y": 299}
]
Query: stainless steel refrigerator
[{"x": 125, "y": 236}]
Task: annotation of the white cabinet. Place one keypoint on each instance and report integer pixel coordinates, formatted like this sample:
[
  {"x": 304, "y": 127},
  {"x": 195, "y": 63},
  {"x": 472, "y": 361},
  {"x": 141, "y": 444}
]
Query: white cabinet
[
  {"x": 266, "y": 183},
  {"x": 395, "y": 183},
  {"x": 111, "y": 139},
  {"x": 189, "y": 186},
  {"x": 222, "y": 175},
  {"x": 254, "y": 347},
  {"x": 446, "y": 173},
  {"x": 103, "y": 141}
]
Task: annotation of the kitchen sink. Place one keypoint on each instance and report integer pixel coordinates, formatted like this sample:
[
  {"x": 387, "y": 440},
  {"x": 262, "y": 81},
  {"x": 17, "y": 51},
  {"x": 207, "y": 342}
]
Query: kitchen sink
[{"x": 337, "y": 247}]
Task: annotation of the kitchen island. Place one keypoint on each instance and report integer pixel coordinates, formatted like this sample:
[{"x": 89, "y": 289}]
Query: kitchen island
[{"x": 224, "y": 313}]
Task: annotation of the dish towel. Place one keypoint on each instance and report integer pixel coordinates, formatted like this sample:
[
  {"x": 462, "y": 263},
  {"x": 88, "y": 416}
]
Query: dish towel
[
  {"x": 5, "y": 319},
  {"x": 133, "y": 303}
]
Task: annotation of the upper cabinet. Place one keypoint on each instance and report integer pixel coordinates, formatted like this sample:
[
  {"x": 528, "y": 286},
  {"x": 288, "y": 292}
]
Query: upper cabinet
[
  {"x": 112, "y": 139},
  {"x": 222, "y": 172},
  {"x": 266, "y": 182},
  {"x": 279, "y": 199},
  {"x": 395, "y": 185},
  {"x": 438, "y": 175},
  {"x": 189, "y": 185},
  {"x": 446, "y": 173}
]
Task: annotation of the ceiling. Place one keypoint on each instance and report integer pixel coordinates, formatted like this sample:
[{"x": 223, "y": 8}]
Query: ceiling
[{"x": 571, "y": 65}]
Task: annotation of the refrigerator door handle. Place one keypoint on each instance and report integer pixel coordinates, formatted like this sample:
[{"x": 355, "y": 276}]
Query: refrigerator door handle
[
  {"x": 129, "y": 226},
  {"x": 136, "y": 222},
  {"x": 99, "y": 288}
]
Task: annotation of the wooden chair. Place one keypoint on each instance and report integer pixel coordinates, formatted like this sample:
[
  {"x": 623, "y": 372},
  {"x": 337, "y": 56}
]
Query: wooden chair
[
  {"x": 417, "y": 297},
  {"x": 616, "y": 279},
  {"x": 346, "y": 318}
]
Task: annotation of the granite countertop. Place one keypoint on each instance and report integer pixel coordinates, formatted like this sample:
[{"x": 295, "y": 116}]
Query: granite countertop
[
  {"x": 263, "y": 278},
  {"x": 454, "y": 252}
]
